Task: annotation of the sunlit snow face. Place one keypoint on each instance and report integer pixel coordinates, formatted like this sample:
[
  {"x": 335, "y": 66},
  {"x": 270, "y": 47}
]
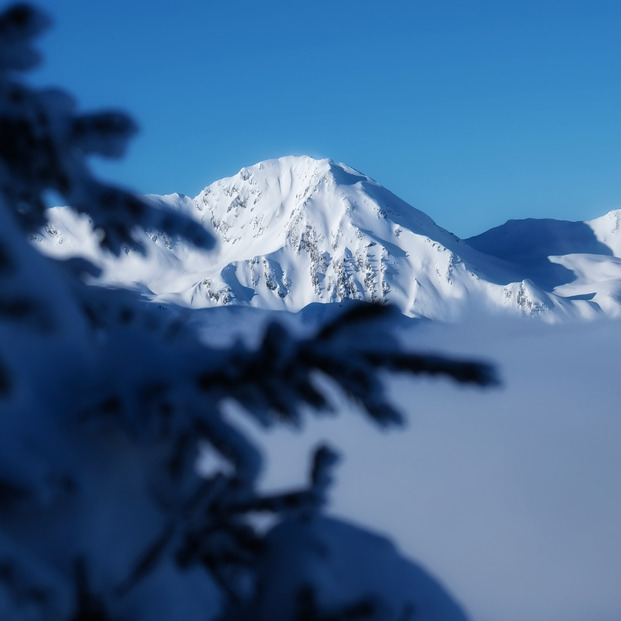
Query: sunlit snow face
[{"x": 297, "y": 230}]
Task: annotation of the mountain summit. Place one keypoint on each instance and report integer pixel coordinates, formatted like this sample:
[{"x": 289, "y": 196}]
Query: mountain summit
[{"x": 297, "y": 230}]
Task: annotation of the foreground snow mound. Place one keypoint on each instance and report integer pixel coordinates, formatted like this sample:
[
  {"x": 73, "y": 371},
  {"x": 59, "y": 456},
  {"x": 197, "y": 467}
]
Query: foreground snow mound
[
  {"x": 319, "y": 567},
  {"x": 295, "y": 231}
]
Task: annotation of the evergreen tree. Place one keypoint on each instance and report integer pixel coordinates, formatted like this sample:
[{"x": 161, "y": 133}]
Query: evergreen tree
[{"x": 106, "y": 401}]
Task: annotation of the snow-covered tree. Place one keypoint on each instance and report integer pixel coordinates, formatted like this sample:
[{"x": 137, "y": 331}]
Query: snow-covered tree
[{"x": 107, "y": 401}]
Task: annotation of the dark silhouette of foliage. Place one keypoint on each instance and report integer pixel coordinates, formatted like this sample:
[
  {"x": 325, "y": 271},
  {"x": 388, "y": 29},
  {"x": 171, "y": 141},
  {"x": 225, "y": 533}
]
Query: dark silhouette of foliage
[{"x": 105, "y": 401}]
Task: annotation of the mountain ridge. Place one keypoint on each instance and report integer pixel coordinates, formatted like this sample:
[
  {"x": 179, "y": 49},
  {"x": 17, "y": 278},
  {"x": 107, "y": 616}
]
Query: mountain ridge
[{"x": 296, "y": 230}]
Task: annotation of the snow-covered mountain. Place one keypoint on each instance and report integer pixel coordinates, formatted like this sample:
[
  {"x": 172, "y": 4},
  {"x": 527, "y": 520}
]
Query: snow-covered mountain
[
  {"x": 576, "y": 261},
  {"x": 296, "y": 230}
]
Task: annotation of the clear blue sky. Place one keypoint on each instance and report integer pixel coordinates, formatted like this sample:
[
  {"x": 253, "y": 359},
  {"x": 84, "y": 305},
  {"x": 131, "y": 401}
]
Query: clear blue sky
[{"x": 473, "y": 111}]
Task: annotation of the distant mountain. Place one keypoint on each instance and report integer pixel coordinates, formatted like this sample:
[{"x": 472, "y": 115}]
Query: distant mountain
[
  {"x": 296, "y": 230},
  {"x": 577, "y": 261}
]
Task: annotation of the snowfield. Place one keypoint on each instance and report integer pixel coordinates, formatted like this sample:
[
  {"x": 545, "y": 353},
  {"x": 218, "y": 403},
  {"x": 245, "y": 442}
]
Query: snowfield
[{"x": 511, "y": 496}]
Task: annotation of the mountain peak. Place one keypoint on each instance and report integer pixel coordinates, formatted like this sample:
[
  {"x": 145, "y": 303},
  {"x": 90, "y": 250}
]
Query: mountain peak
[{"x": 298, "y": 230}]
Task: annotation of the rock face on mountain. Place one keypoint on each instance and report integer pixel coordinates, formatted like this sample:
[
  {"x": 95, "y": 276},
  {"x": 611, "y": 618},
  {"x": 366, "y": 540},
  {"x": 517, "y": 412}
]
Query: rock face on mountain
[{"x": 296, "y": 230}]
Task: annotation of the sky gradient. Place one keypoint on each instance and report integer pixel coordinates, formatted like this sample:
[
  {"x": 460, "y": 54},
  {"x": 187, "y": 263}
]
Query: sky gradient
[{"x": 472, "y": 111}]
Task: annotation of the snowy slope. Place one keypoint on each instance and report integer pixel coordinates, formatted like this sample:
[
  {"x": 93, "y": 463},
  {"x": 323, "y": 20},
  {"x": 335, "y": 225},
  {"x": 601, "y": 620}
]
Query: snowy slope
[
  {"x": 578, "y": 261},
  {"x": 511, "y": 496},
  {"x": 296, "y": 230}
]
